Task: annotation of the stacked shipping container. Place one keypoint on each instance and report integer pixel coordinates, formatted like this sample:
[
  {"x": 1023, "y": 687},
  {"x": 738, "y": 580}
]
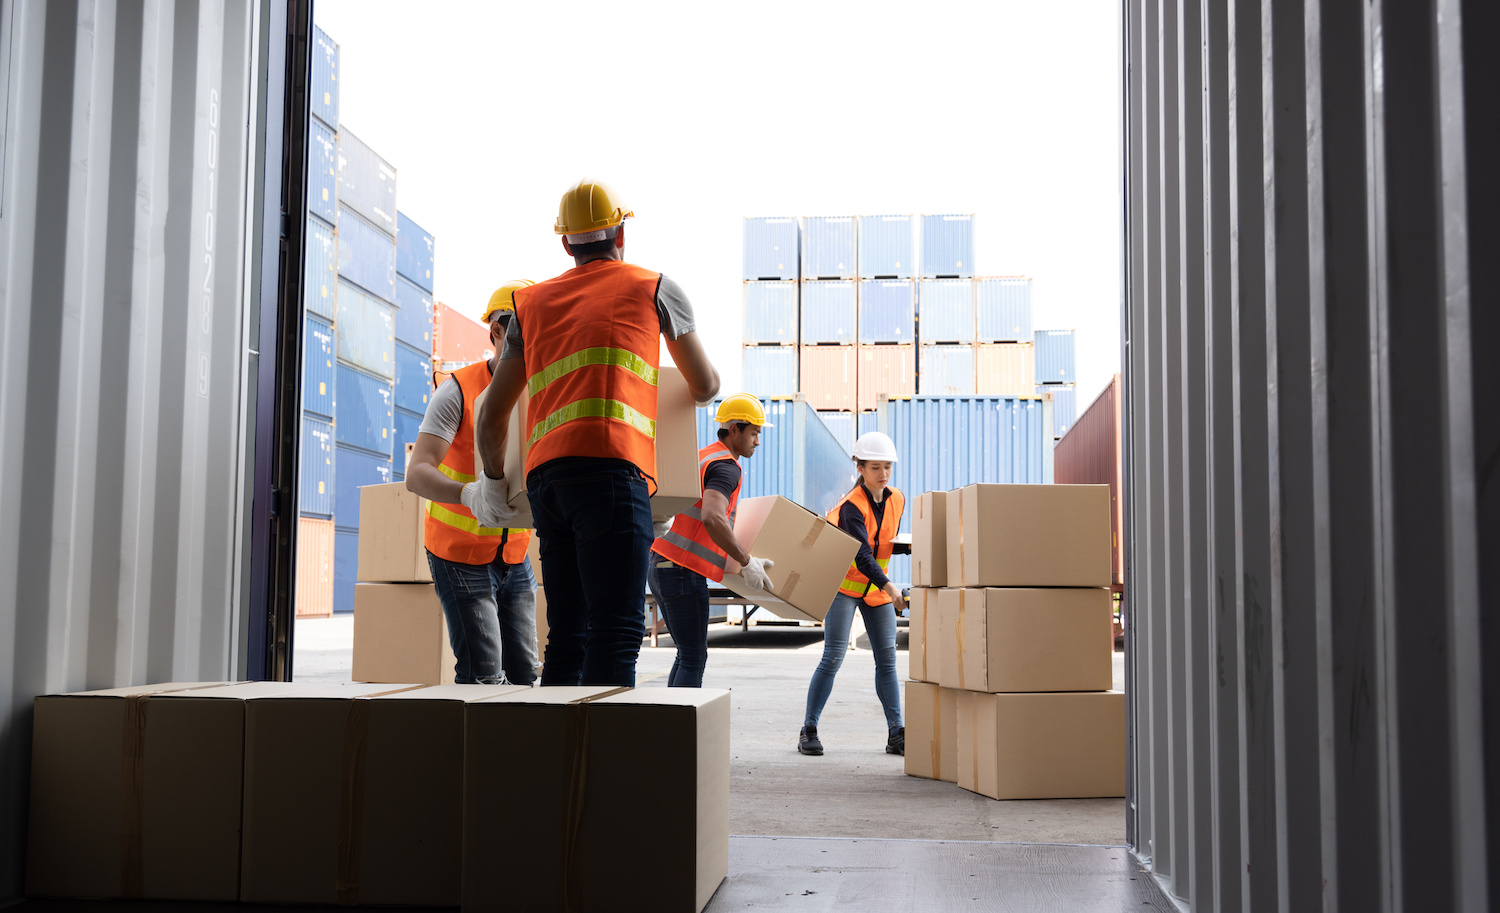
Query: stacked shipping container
[{"x": 772, "y": 292}]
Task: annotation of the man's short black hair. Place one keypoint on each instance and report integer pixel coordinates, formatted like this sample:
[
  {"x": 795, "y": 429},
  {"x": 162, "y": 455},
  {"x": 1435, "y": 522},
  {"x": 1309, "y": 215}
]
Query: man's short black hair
[{"x": 738, "y": 426}]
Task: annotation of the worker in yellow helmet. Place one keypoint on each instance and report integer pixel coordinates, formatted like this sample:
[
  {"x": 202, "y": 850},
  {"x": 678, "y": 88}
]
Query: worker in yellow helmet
[
  {"x": 481, "y": 574},
  {"x": 701, "y": 541}
]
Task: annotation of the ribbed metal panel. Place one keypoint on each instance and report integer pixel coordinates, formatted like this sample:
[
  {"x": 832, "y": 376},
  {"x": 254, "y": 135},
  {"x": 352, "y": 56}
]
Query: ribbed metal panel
[
  {"x": 315, "y": 481},
  {"x": 868, "y": 421},
  {"x": 314, "y": 568},
  {"x": 887, "y": 247},
  {"x": 828, "y": 247},
  {"x": 317, "y": 367},
  {"x": 407, "y": 425},
  {"x": 353, "y": 469},
  {"x": 771, "y": 370},
  {"x": 1064, "y": 406},
  {"x": 322, "y": 172},
  {"x": 1055, "y": 363},
  {"x": 413, "y": 379},
  {"x": 830, "y": 312},
  {"x": 798, "y": 459},
  {"x": 842, "y": 426},
  {"x": 945, "y": 370},
  {"x": 1005, "y": 369},
  {"x": 948, "y": 246},
  {"x": 324, "y": 94},
  {"x": 413, "y": 315},
  {"x": 345, "y": 569},
  {"x": 828, "y": 377},
  {"x": 887, "y": 310},
  {"x": 367, "y": 256},
  {"x": 364, "y": 333},
  {"x": 771, "y": 312},
  {"x": 1003, "y": 309},
  {"x": 946, "y": 309},
  {"x": 415, "y": 252},
  {"x": 886, "y": 369},
  {"x": 320, "y": 272},
  {"x": 1089, "y": 454},
  {"x": 772, "y": 246},
  {"x": 362, "y": 411},
  {"x": 367, "y": 182}
]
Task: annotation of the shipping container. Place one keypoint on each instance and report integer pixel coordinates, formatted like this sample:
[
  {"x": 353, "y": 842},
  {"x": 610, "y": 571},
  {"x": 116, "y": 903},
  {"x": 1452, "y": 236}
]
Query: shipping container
[
  {"x": 407, "y": 424},
  {"x": 345, "y": 570},
  {"x": 887, "y": 247},
  {"x": 320, "y": 271},
  {"x": 322, "y": 173},
  {"x": 945, "y": 311},
  {"x": 799, "y": 459},
  {"x": 413, "y": 379},
  {"x": 868, "y": 421},
  {"x": 945, "y": 370},
  {"x": 314, "y": 568},
  {"x": 842, "y": 425},
  {"x": 356, "y": 468},
  {"x": 771, "y": 247},
  {"x": 830, "y": 312},
  {"x": 948, "y": 247},
  {"x": 1005, "y": 369},
  {"x": 365, "y": 334},
  {"x": 367, "y": 182},
  {"x": 367, "y": 256},
  {"x": 317, "y": 367},
  {"x": 1054, "y": 357},
  {"x": 413, "y": 315},
  {"x": 829, "y": 250},
  {"x": 1003, "y": 309},
  {"x": 457, "y": 339},
  {"x": 1064, "y": 406},
  {"x": 887, "y": 311},
  {"x": 324, "y": 96},
  {"x": 829, "y": 376},
  {"x": 1089, "y": 454},
  {"x": 770, "y": 313},
  {"x": 415, "y": 252},
  {"x": 886, "y": 369},
  {"x": 770, "y": 370},
  {"x": 316, "y": 472},
  {"x": 362, "y": 411}
]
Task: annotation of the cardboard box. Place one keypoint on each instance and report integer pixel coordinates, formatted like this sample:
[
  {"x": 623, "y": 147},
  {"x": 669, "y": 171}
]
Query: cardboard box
[
  {"x": 400, "y": 635},
  {"x": 929, "y": 539},
  {"x": 675, "y": 739},
  {"x": 922, "y": 653},
  {"x": 391, "y": 544},
  {"x": 1025, "y": 639},
  {"x": 1042, "y": 746},
  {"x": 931, "y": 731},
  {"x": 515, "y": 459},
  {"x": 1029, "y": 535},
  {"x": 811, "y": 556}
]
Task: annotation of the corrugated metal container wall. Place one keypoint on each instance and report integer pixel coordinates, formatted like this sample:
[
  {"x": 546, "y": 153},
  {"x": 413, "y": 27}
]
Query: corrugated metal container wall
[
  {"x": 324, "y": 97},
  {"x": 415, "y": 252},
  {"x": 356, "y": 468},
  {"x": 1003, "y": 306},
  {"x": 841, "y": 426},
  {"x": 365, "y": 334},
  {"x": 887, "y": 247},
  {"x": 1054, "y": 357},
  {"x": 1005, "y": 369},
  {"x": 799, "y": 459},
  {"x": 1089, "y": 454},
  {"x": 828, "y": 247},
  {"x": 367, "y": 256},
  {"x": 946, "y": 309},
  {"x": 315, "y": 481},
  {"x": 367, "y": 182},
  {"x": 771, "y": 247},
  {"x": 946, "y": 370},
  {"x": 314, "y": 568},
  {"x": 407, "y": 424},
  {"x": 771, "y": 313},
  {"x": 413, "y": 316},
  {"x": 322, "y": 173},
  {"x": 828, "y": 376},
  {"x": 1064, "y": 406},
  {"x": 317, "y": 367},
  {"x": 830, "y": 312},
  {"x": 362, "y": 411},
  {"x": 457, "y": 339},
  {"x": 948, "y": 246},
  {"x": 886, "y": 369},
  {"x": 887, "y": 311},
  {"x": 770, "y": 370},
  {"x": 320, "y": 272},
  {"x": 345, "y": 570},
  {"x": 413, "y": 379}
]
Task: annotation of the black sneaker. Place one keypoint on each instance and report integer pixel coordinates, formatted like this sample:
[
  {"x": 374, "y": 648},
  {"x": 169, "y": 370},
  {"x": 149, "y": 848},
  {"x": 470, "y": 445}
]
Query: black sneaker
[
  {"x": 807, "y": 741},
  {"x": 896, "y": 742}
]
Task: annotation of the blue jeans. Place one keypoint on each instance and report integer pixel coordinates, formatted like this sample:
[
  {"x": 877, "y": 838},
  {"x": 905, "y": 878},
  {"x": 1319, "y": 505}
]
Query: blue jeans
[
  {"x": 594, "y": 520},
  {"x": 491, "y": 613},
  {"x": 880, "y": 624},
  {"x": 683, "y": 596}
]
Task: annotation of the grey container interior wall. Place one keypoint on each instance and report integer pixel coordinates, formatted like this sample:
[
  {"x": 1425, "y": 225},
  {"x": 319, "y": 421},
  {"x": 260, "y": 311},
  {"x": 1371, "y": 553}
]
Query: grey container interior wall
[
  {"x": 125, "y": 227},
  {"x": 1312, "y": 417}
]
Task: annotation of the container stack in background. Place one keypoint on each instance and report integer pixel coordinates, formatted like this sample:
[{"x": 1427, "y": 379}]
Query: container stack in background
[
  {"x": 887, "y": 295},
  {"x": 945, "y": 307},
  {"x": 830, "y": 319},
  {"x": 1056, "y": 374},
  {"x": 772, "y": 246},
  {"x": 1004, "y": 359}
]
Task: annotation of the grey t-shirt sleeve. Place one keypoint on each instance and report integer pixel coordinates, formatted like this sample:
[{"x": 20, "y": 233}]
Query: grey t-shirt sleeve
[
  {"x": 445, "y": 411},
  {"x": 673, "y": 309}
]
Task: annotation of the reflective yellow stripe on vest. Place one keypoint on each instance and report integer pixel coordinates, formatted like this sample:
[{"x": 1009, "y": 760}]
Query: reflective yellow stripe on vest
[
  {"x": 594, "y": 408},
  {"x": 454, "y": 474},
  {"x": 688, "y": 545},
  {"x": 458, "y": 521},
  {"x": 602, "y": 355},
  {"x": 867, "y": 585}
]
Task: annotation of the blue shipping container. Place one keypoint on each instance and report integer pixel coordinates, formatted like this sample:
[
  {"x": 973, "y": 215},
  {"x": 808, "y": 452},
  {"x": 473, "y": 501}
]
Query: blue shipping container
[
  {"x": 771, "y": 370},
  {"x": 948, "y": 247},
  {"x": 413, "y": 379},
  {"x": 324, "y": 96},
  {"x": 1054, "y": 357},
  {"x": 407, "y": 425},
  {"x": 830, "y": 312},
  {"x": 317, "y": 367},
  {"x": 321, "y": 270},
  {"x": 367, "y": 182},
  {"x": 355, "y": 469},
  {"x": 828, "y": 247},
  {"x": 868, "y": 421},
  {"x": 946, "y": 371},
  {"x": 771, "y": 313},
  {"x": 887, "y": 247},
  {"x": 367, "y": 256},
  {"x": 414, "y": 252},
  {"x": 345, "y": 570},
  {"x": 1003, "y": 306},
  {"x": 362, "y": 411},
  {"x": 1064, "y": 406},
  {"x": 322, "y": 173},
  {"x": 315, "y": 482},
  {"x": 771, "y": 247},
  {"x": 841, "y": 425},
  {"x": 945, "y": 311},
  {"x": 799, "y": 459},
  {"x": 887, "y": 311},
  {"x": 366, "y": 332},
  {"x": 413, "y": 315}
]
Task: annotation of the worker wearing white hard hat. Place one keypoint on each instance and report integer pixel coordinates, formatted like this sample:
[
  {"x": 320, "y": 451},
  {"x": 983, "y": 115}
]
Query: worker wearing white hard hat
[{"x": 870, "y": 512}]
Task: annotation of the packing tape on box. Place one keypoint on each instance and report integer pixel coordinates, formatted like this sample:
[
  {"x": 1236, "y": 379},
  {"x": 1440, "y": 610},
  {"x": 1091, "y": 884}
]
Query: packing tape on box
[
  {"x": 963, "y": 571},
  {"x": 960, "y": 639},
  {"x": 575, "y": 750},
  {"x": 814, "y": 532},
  {"x": 789, "y": 586},
  {"x": 937, "y": 732},
  {"x": 352, "y": 796}
]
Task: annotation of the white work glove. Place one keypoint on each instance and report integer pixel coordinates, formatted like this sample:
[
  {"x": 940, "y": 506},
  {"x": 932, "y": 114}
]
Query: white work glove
[
  {"x": 487, "y": 500},
  {"x": 754, "y": 573}
]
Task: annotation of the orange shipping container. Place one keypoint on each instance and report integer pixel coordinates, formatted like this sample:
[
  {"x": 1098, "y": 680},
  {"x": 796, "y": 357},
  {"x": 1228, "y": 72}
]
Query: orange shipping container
[
  {"x": 458, "y": 339},
  {"x": 1006, "y": 369},
  {"x": 891, "y": 370},
  {"x": 1089, "y": 454},
  {"x": 828, "y": 377},
  {"x": 314, "y": 568}
]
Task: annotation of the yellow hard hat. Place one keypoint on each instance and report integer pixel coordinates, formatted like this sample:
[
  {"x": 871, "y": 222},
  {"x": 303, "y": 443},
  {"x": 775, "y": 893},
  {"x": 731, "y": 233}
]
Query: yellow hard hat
[
  {"x": 742, "y": 407},
  {"x": 589, "y": 207},
  {"x": 502, "y": 300}
]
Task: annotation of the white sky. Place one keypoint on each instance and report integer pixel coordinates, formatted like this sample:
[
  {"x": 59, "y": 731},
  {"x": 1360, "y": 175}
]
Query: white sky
[{"x": 700, "y": 114}]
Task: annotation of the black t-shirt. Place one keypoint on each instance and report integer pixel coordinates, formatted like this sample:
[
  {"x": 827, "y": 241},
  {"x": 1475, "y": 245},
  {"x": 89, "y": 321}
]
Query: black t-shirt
[{"x": 722, "y": 476}]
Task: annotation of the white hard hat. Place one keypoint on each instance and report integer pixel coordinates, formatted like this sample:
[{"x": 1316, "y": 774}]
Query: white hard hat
[{"x": 875, "y": 445}]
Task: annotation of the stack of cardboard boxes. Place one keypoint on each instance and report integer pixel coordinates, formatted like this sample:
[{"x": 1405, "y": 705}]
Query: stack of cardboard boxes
[{"x": 1011, "y": 653}]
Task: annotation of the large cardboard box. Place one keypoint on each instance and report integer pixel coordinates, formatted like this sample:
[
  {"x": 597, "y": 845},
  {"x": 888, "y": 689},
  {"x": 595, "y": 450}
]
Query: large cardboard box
[
  {"x": 922, "y": 652},
  {"x": 929, "y": 539},
  {"x": 391, "y": 544},
  {"x": 579, "y": 782},
  {"x": 1025, "y": 639},
  {"x": 1042, "y": 746},
  {"x": 1029, "y": 535},
  {"x": 931, "y": 731},
  {"x": 515, "y": 459},
  {"x": 810, "y": 556},
  {"x": 400, "y": 635}
]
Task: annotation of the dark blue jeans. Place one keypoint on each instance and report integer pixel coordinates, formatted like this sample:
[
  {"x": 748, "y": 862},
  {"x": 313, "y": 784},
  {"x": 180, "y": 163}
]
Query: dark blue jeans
[
  {"x": 683, "y": 596},
  {"x": 491, "y": 614},
  {"x": 594, "y": 520}
]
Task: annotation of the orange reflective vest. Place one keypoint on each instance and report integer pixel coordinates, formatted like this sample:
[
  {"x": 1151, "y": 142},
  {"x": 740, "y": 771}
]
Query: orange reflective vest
[
  {"x": 450, "y": 530},
  {"x": 882, "y": 535},
  {"x": 592, "y": 354},
  {"x": 688, "y": 544}
]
